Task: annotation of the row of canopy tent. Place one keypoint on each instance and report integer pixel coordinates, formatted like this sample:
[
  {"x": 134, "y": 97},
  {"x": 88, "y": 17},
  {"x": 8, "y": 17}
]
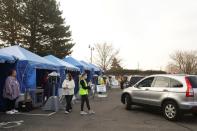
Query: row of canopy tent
[
  {"x": 61, "y": 63},
  {"x": 27, "y": 65},
  {"x": 77, "y": 63},
  {"x": 95, "y": 69},
  {"x": 64, "y": 65},
  {"x": 82, "y": 65},
  {"x": 88, "y": 68},
  {"x": 28, "y": 62}
]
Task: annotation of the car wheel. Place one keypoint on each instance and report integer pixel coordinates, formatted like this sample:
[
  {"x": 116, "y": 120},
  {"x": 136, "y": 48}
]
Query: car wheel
[
  {"x": 170, "y": 110},
  {"x": 128, "y": 102}
]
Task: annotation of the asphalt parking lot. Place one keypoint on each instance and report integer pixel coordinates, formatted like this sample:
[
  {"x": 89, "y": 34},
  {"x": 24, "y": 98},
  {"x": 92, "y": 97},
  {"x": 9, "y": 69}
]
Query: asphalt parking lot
[{"x": 110, "y": 116}]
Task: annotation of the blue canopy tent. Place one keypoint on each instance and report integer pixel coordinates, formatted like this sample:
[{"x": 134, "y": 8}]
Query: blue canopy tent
[
  {"x": 83, "y": 68},
  {"x": 27, "y": 65},
  {"x": 92, "y": 69},
  {"x": 92, "y": 66},
  {"x": 97, "y": 70},
  {"x": 62, "y": 63},
  {"x": 65, "y": 67},
  {"x": 30, "y": 68},
  {"x": 76, "y": 63},
  {"x": 7, "y": 62},
  {"x": 6, "y": 58}
]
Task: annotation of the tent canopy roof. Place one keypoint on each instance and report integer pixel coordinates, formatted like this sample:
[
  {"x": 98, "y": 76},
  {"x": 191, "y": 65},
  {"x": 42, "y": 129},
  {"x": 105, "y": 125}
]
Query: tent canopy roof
[
  {"x": 90, "y": 66},
  {"x": 6, "y": 58},
  {"x": 23, "y": 54},
  {"x": 77, "y": 63},
  {"x": 60, "y": 62},
  {"x": 96, "y": 68}
]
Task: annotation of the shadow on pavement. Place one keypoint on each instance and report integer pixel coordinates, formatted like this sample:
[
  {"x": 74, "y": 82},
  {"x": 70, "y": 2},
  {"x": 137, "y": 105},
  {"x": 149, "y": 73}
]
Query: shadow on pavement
[{"x": 186, "y": 118}]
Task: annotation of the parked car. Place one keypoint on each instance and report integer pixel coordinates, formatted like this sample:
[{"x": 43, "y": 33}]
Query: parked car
[
  {"x": 173, "y": 94},
  {"x": 133, "y": 80}
]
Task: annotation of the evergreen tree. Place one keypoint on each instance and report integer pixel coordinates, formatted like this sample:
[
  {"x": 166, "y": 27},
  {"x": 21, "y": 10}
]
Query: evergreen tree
[
  {"x": 48, "y": 33},
  {"x": 11, "y": 28},
  {"x": 37, "y": 25},
  {"x": 116, "y": 64}
]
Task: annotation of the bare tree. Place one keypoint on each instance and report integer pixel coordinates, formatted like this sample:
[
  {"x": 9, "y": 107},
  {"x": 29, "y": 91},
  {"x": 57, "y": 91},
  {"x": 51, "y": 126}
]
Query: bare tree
[
  {"x": 185, "y": 61},
  {"x": 105, "y": 55},
  {"x": 172, "y": 68}
]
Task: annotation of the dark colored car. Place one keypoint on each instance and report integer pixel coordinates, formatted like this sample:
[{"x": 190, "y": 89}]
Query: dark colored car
[{"x": 133, "y": 80}]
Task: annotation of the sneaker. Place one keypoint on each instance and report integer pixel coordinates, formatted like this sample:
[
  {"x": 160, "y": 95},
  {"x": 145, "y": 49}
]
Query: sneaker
[
  {"x": 91, "y": 112},
  {"x": 9, "y": 112},
  {"x": 70, "y": 110},
  {"x": 66, "y": 112},
  {"x": 15, "y": 111},
  {"x": 83, "y": 113}
]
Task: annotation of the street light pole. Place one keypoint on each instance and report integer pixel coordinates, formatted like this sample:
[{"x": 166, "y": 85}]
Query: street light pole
[
  {"x": 91, "y": 49},
  {"x": 138, "y": 65}
]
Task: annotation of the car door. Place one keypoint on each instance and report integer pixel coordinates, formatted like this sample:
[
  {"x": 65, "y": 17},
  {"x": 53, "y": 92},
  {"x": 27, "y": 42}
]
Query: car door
[
  {"x": 158, "y": 90},
  {"x": 139, "y": 93}
]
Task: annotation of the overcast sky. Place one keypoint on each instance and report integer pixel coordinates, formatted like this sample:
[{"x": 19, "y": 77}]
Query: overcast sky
[{"x": 145, "y": 31}]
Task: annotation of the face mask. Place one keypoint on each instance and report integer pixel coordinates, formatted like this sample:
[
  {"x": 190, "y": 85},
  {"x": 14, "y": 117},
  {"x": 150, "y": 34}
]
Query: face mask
[
  {"x": 85, "y": 76},
  {"x": 66, "y": 77}
]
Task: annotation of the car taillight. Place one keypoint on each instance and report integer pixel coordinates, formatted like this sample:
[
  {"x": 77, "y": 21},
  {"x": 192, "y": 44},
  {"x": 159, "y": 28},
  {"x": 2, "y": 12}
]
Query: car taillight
[{"x": 189, "y": 91}]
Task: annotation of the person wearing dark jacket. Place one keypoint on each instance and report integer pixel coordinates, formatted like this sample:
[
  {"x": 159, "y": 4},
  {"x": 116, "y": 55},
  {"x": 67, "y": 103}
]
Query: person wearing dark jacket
[
  {"x": 45, "y": 86},
  {"x": 83, "y": 92}
]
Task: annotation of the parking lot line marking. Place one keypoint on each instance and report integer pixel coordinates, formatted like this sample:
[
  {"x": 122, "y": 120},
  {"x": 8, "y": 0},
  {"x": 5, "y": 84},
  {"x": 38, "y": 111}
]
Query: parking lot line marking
[
  {"x": 30, "y": 114},
  {"x": 13, "y": 124},
  {"x": 51, "y": 114}
]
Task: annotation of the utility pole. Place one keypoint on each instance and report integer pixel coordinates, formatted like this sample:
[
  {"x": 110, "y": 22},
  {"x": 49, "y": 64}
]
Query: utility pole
[
  {"x": 138, "y": 65},
  {"x": 91, "y": 50}
]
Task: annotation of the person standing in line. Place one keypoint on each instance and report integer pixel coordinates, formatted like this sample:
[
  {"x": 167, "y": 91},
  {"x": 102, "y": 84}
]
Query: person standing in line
[
  {"x": 107, "y": 83},
  {"x": 83, "y": 92},
  {"x": 100, "y": 80},
  {"x": 45, "y": 86},
  {"x": 122, "y": 82},
  {"x": 110, "y": 82},
  {"x": 11, "y": 92},
  {"x": 68, "y": 91}
]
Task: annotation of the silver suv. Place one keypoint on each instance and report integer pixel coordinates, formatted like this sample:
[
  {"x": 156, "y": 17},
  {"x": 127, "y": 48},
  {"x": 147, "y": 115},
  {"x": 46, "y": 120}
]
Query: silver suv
[{"x": 174, "y": 94}]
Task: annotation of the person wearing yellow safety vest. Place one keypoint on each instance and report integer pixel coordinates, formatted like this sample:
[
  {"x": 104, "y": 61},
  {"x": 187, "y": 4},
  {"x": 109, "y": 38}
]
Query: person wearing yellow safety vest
[
  {"x": 100, "y": 80},
  {"x": 83, "y": 92}
]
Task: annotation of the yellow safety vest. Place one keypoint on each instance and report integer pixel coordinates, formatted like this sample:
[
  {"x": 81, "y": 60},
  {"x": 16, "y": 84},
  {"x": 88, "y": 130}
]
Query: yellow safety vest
[
  {"x": 101, "y": 81},
  {"x": 81, "y": 90}
]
